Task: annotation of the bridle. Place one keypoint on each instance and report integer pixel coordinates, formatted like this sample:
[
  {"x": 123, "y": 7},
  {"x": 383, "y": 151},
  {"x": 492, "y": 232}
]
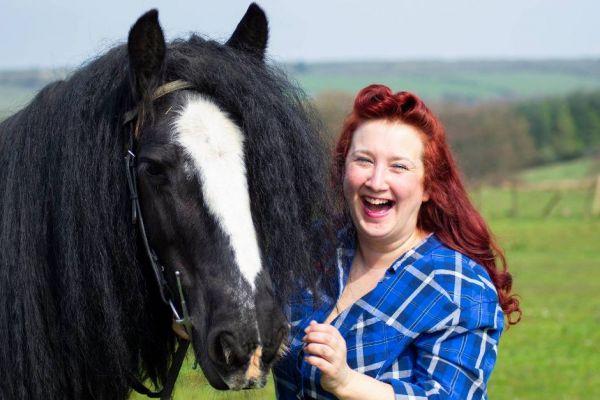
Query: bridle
[{"x": 134, "y": 119}]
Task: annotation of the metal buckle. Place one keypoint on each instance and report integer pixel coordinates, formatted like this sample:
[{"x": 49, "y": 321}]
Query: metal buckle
[{"x": 186, "y": 320}]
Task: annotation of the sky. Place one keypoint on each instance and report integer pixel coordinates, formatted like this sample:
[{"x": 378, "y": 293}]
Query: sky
[{"x": 66, "y": 33}]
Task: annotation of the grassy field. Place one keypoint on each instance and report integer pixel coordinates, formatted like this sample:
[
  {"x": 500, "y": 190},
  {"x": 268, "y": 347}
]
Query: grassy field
[
  {"x": 576, "y": 169},
  {"x": 554, "y": 353},
  {"x": 534, "y": 204}
]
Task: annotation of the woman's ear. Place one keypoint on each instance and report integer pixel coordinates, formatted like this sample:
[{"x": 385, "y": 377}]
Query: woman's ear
[{"x": 426, "y": 189}]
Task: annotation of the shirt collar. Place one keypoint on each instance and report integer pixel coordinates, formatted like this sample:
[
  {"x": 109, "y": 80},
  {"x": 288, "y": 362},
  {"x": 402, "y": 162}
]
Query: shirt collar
[{"x": 347, "y": 248}]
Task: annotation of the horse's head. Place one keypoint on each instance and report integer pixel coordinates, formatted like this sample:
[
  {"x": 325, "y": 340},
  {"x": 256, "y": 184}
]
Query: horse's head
[{"x": 194, "y": 192}]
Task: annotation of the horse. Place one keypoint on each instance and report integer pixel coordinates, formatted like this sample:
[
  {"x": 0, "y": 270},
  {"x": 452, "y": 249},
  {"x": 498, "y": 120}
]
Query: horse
[{"x": 217, "y": 158}]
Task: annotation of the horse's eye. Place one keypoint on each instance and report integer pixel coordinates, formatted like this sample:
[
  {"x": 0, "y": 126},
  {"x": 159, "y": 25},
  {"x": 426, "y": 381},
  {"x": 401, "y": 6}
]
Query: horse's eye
[{"x": 154, "y": 168}]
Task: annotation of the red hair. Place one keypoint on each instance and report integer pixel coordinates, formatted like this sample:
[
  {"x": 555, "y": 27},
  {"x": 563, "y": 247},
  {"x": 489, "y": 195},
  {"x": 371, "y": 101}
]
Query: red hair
[{"x": 449, "y": 212}]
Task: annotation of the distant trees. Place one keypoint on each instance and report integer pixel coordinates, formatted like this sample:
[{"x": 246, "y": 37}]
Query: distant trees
[
  {"x": 333, "y": 107},
  {"x": 494, "y": 140},
  {"x": 489, "y": 142},
  {"x": 585, "y": 108},
  {"x": 563, "y": 127},
  {"x": 553, "y": 129}
]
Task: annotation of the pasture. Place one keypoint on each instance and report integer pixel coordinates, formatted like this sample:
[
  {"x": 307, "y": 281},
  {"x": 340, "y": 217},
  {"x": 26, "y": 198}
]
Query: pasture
[{"x": 554, "y": 352}]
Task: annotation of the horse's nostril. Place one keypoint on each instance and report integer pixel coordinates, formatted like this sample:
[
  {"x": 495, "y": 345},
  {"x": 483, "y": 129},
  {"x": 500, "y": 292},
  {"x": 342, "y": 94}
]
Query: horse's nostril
[
  {"x": 227, "y": 344},
  {"x": 225, "y": 350}
]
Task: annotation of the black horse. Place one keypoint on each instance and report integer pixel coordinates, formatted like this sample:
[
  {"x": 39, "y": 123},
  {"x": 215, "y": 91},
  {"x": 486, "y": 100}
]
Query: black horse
[{"x": 231, "y": 181}]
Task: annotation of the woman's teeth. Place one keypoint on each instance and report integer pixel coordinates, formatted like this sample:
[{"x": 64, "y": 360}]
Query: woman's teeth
[{"x": 376, "y": 202}]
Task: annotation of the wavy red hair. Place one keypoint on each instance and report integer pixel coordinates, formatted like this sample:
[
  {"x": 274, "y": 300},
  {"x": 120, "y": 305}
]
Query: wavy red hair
[{"x": 449, "y": 212}]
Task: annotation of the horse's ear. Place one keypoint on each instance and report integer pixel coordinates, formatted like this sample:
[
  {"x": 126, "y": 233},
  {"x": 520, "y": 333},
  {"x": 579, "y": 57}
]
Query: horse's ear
[
  {"x": 252, "y": 33},
  {"x": 146, "y": 48}
]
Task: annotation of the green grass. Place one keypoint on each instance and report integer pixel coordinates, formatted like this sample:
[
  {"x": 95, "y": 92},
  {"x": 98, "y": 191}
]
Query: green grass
[
  {"x": 576, "y": 169},
  {"x": 192, "y": 385},
  {"x": 553, "y": 353},
  {"x": 560, "y": 204},
  {"x": 554, "y": 202}
]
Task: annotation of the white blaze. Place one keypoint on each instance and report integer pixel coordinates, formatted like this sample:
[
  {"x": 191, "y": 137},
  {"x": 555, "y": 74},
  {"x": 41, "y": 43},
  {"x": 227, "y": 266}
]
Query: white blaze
[{"x": 216, "y": 146}]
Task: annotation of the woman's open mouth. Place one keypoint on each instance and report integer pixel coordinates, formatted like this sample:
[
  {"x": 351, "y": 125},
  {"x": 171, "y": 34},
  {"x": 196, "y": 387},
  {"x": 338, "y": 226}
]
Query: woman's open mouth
[{"x": 376, "y": 208}]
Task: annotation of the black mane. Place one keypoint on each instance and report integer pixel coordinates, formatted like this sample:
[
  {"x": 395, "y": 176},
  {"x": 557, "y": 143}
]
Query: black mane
[{"x": 76, "y": 295}]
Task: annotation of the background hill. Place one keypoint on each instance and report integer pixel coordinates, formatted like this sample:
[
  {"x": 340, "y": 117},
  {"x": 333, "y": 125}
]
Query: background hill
[{"x": 455, "y": 81}]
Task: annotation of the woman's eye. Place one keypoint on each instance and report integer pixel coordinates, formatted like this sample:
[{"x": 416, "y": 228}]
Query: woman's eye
[
  {"x": 400, "y": 167},
  {"x": 363, "y": 160}
]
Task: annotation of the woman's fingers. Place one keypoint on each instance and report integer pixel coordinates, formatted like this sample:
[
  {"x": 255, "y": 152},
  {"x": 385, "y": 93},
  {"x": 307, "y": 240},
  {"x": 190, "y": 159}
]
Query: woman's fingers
[
  {"x": 326, "y": 350},
  {"x": 322, "y": 364},
  {"x": 319, "y": 337},
  {"x": 316, "y": 327},
  {"x": 326, "y": 335},
  {"x": 322, "y": 333},
  {"x": 321, "y": 350}
]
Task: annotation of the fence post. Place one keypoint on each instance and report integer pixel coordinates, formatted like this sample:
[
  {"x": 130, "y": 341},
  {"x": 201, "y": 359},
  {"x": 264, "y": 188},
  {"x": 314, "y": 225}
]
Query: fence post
[
  {"x": 596, "y": 203},
  {"x": 514, "y": 199},
  {"x": 551, "y": 205}
]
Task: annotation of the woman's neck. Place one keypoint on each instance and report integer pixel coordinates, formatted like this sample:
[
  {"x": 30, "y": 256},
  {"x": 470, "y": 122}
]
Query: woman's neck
[{"x": 377, "y": 254}]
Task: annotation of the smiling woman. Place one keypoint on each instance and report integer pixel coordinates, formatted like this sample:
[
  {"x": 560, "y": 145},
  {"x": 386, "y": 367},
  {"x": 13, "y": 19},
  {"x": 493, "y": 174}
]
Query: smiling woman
[
  {"x": 383, "y": 183},
  {"x": 420, "y": 301}
]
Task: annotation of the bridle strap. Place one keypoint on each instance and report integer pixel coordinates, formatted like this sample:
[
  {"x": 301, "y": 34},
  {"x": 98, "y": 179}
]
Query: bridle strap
[
  {"x": 173, "y": 373},
  {"x": 171, "y": 87},
  {"x": 162, "y": 90},
  {"x": 158, "y": 270},
  {"x": 136, "y": 218},
  {"x": 167, "y": 390}
]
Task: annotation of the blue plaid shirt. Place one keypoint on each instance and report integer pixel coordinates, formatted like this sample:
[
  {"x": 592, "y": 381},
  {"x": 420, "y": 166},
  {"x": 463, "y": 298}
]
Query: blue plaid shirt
[{"x": 430, "y": 328}]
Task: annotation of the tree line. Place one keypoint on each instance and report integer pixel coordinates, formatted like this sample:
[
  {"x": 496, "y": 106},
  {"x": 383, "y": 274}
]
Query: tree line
[{"x": 494, "y": 140}]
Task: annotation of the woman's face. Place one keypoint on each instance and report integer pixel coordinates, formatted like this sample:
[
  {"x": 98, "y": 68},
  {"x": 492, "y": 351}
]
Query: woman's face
[{"x": 383, "y": 180}]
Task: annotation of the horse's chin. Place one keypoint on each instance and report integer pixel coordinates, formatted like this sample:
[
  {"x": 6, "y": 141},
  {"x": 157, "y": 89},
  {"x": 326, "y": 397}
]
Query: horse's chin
[
  {"x": 233, "y": 381},
  {"x": 212, "y": 376},
  {"x": 250, "y": 377}
]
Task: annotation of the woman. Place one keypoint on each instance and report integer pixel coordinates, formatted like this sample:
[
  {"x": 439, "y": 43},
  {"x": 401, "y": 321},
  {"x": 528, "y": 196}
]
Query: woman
[{"x": 420, "y": 302}]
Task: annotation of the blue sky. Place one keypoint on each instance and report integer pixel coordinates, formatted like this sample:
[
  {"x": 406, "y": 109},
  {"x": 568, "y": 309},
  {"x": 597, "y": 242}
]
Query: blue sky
[{"x": 55, "y": 33}]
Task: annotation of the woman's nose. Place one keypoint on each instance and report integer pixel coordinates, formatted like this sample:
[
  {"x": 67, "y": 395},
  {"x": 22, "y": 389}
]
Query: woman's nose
[{"x": 377, "y": 180}]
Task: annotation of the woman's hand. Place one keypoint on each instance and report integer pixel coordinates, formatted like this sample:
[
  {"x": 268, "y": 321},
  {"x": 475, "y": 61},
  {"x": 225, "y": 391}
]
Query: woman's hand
[{"x": 326, "y": 349}]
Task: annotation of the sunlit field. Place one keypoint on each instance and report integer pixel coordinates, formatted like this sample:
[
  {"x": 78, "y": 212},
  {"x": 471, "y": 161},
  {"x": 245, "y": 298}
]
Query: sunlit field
[{"x": 554, "y": 353}]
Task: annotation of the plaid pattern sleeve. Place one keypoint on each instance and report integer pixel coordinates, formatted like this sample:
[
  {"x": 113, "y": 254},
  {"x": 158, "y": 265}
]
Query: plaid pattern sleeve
[{"x": 430, "y": 329}]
